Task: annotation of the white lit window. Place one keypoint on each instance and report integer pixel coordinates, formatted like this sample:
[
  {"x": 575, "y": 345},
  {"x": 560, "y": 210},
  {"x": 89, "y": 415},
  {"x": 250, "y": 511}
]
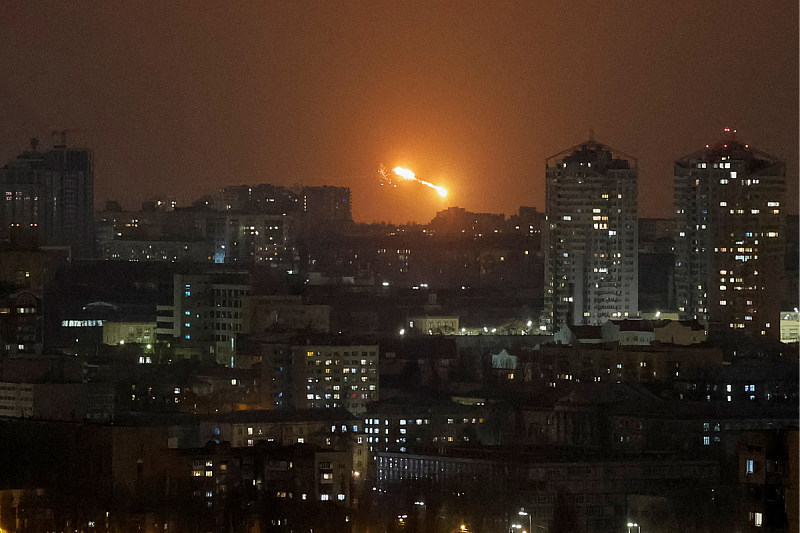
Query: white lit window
[
  {"x": 757, "y": 519},
  {"x": 750, "y": 468}
]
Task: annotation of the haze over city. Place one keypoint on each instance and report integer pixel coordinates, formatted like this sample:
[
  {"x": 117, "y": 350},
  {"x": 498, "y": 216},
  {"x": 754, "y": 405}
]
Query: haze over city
[
  {"x": 183, "y": 98},
  {"x": 399, "y": 267}
]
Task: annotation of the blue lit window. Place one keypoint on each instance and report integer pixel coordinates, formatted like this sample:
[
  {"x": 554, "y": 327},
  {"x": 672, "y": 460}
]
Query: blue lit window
[
  {"x": 187, "y": 313},
  {"x": 187, "y": 325},
  {"x": 187, "y": 337},
  {"x": 188, "y": 293}
]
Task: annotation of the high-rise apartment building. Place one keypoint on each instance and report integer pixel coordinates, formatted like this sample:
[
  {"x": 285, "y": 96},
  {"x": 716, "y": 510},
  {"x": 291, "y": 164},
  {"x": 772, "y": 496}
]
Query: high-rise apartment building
[
  {"x": 251, "y": 239},
  {"x": 335, "y": 374},
  {"x": 591, "y": 266},
  {"x": 327, "y": 204},
  {"x": 261, "y": 199},
  {"x": 49, "y": 197},
  {"x": 730, "y": 237}
]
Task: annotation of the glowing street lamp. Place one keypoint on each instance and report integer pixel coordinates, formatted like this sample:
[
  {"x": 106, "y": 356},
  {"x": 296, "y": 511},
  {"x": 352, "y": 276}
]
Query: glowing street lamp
[{"x": 523, "y": 512}]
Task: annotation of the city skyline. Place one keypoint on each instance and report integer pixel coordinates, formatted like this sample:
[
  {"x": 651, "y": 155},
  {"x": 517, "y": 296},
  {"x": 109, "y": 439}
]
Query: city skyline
[
  {"x": 400, "y": 267},
  {"x": 176, "y": 99}
]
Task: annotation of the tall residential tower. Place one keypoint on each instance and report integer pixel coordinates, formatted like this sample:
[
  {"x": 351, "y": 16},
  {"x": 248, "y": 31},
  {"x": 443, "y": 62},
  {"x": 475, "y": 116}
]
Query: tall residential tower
[
  {"x": 591, "y": 266},
  {"x": 49, "y": 197},
  {"x": 730, "y": 237}
]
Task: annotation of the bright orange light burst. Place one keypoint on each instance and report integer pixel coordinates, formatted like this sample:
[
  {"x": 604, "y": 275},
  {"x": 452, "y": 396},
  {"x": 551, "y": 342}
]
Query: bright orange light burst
[{"x": 409, "y": 175}]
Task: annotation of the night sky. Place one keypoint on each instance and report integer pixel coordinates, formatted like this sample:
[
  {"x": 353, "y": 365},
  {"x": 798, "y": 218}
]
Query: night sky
[{"x": 183, "y": 97}]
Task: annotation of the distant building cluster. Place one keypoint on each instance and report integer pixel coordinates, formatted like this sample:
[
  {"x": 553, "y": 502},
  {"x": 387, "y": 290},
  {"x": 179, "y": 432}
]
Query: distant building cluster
[{"x": 256, "y": 361}]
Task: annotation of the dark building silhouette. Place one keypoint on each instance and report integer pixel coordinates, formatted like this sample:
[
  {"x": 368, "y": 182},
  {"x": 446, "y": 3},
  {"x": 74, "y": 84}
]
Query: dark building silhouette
[
  {"x": 591, "y": 241},
  {"x": 327, "y": 204},
  {"x": 49, "y": 197},
  {"x": 729, "y": 242}
]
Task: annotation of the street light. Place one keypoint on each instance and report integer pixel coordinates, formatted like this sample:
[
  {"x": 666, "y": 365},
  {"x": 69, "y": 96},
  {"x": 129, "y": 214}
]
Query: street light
[{"x": 522, "y": 512}]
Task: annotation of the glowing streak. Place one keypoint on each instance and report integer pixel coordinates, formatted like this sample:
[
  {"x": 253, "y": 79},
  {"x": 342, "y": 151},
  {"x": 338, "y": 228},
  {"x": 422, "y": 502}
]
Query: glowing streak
[{"x": 409, "y": 175}]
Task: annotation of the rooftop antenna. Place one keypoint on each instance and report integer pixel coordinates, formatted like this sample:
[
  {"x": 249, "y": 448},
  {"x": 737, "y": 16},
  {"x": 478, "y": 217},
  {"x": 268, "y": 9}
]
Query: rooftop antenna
[
  {"x": 591, "y": 135},
  {"x": 34, "y": 143}
]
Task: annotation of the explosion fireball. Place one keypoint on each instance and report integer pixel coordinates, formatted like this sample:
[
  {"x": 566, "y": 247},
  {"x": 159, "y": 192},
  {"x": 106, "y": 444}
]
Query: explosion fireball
[{"x": 407, "y": 174}]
